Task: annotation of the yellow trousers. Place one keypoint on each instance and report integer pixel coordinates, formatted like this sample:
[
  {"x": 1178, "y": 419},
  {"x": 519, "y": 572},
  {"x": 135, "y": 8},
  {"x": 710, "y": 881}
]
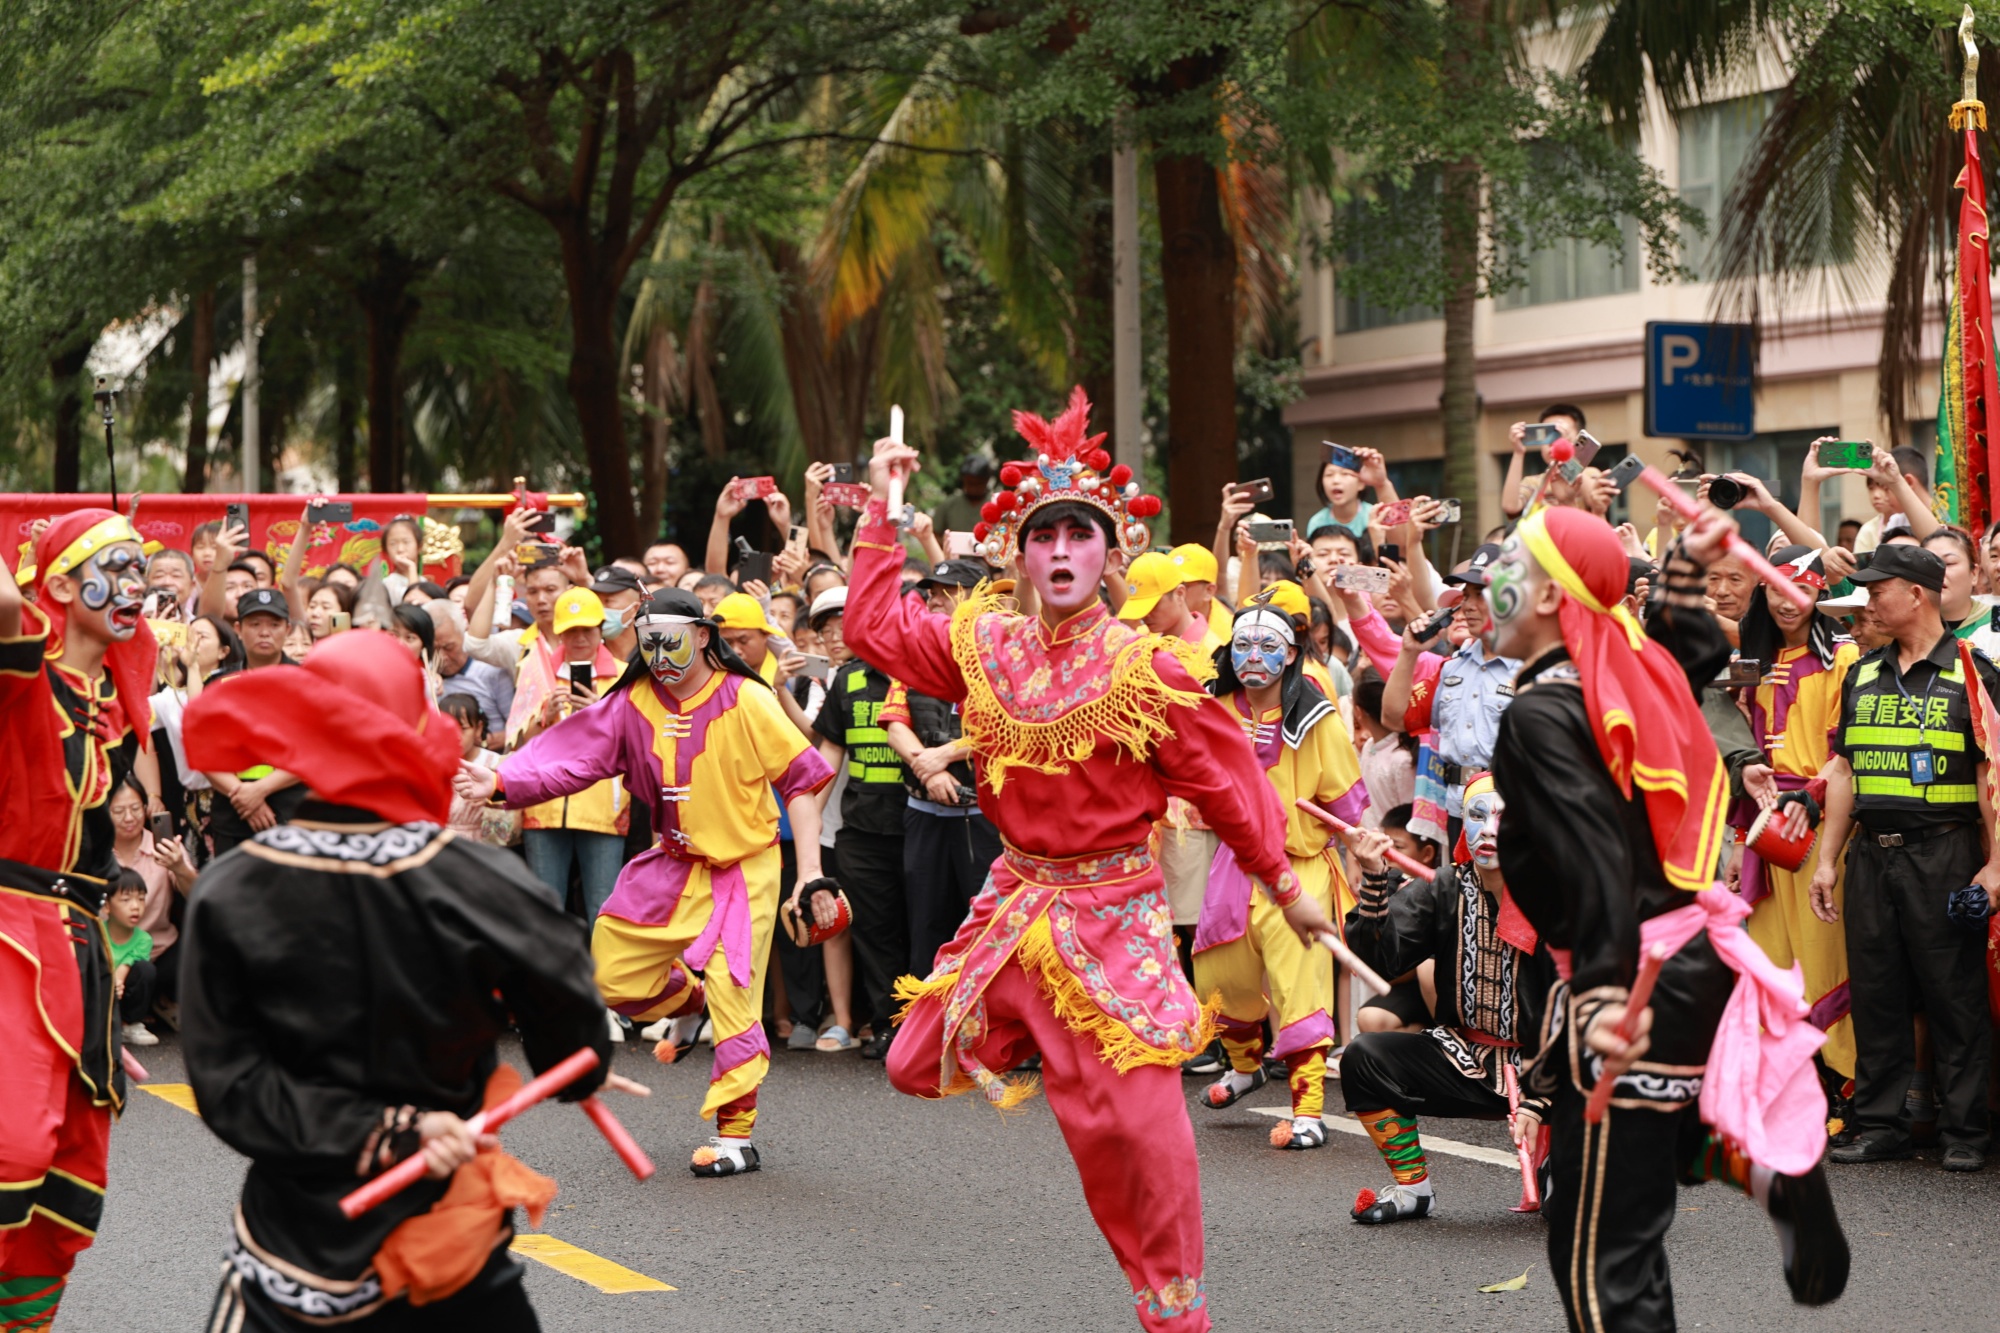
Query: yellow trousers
[
  {"x": 1787, "y": 931},
  {"x": 1300, "y": 977},
  {"x": 640, "y": 971}
]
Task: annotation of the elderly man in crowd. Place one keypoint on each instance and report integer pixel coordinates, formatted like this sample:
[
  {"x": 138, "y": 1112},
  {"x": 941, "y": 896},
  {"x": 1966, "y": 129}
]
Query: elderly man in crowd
[{"x": 459, "y": 673}]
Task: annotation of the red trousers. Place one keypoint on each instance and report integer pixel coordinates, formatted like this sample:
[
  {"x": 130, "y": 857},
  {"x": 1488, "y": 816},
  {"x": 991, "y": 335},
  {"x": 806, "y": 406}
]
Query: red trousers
[
  {"x": 1128, "y": 1133},
  {"x": 53, "y": 1142}
]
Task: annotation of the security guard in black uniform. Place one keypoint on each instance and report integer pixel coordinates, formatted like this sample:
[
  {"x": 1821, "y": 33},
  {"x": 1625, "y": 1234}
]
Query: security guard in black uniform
[{"x": 1908, "y": 772}]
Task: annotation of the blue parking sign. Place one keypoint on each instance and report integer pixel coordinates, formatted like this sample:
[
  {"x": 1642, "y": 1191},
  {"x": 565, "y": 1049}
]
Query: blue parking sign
[{"x": 1701, "y": 381}]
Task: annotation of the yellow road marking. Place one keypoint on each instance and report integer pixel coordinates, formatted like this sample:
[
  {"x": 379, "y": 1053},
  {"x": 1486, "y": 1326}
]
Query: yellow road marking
[
  {"x": 180, "y": 1094},
  {"x": 584, "y": 1266}
]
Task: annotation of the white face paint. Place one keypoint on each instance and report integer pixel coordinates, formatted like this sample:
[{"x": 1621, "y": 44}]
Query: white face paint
[
  {"x": 1482, "y": 828},
  {"x": 668, "y": 644}
]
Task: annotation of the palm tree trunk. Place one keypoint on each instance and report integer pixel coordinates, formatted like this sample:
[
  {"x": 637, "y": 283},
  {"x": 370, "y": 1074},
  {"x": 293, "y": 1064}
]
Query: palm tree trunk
[
  {"x": 655, "y": 374},
  {"x": 347, "y": 421},
  {"x": 201, "y": 353},
  {"x": 1459, "y": 237},
  {"x": 1198, "y": 275},
  {"x": 1091, "y": 337},
  {"x": 389, "y": 308}
]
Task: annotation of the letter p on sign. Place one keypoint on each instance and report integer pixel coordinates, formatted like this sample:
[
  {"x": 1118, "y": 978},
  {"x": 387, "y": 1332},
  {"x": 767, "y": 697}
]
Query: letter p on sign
[{"x": 1677, "y": 352}]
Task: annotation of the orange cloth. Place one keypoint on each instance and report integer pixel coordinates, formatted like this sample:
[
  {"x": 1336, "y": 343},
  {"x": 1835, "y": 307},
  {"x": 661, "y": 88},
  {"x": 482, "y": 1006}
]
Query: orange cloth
[{"x": 433, "y": 1255}]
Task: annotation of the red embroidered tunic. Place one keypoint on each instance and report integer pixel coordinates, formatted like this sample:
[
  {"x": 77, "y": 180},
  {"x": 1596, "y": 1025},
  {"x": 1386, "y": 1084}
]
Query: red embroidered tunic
[{"x": 1079, "y": 735}]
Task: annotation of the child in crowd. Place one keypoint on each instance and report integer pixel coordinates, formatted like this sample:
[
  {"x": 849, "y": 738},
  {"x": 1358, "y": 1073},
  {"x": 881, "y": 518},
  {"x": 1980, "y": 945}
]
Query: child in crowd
[
  {"x": 475, "y": 819},
  {"x": 131, "y": 955}
]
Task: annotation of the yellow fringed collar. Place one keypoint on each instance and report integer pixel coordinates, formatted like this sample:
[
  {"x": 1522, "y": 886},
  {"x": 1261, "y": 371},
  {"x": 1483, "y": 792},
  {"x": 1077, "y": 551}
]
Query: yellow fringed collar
[{"x": 1041, "y": 702}]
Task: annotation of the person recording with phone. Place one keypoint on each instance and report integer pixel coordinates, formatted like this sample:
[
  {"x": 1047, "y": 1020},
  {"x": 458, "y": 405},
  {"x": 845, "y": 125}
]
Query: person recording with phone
[
  {"x": 1558, "y": 421},
  {"x": 1462, "y": 696},
  {"x": 1342, "y": 478}
]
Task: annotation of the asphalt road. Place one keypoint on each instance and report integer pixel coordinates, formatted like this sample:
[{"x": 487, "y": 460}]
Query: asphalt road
[{"x": 877, "y": 1212}]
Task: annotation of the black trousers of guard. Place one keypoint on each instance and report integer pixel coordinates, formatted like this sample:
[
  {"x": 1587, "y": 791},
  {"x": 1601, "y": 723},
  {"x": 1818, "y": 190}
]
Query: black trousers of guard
[
  {"x": 804, "y": 969},
  {"x": 871, "y": 870},
  {"x": 946, "y": 859},
  {"x": 1615, "y": 1183},
  {"x": 1901, "y": 948},
  {"x": 1409, "y": 1073}
]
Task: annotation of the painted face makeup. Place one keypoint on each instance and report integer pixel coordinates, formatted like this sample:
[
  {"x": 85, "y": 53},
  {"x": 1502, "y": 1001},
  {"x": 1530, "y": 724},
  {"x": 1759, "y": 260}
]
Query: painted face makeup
[
  {"x": 1483, "y": 807},
  {"x": 1258, "y": 648},
  {"x": 1065, "y": 563},
  {"x": 112, "y": 583},
  {"x": 1507, "y": 583},
  {"x": 667, "y": 643}
]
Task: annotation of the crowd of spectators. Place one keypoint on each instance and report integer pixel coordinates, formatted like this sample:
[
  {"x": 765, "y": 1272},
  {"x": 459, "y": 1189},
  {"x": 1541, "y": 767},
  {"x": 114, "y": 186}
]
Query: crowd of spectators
[{"x": 533, "y": 633}]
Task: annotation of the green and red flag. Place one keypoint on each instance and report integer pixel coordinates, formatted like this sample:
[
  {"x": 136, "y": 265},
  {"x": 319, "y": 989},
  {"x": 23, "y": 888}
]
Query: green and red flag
[{"x": 1968, "y": 456}]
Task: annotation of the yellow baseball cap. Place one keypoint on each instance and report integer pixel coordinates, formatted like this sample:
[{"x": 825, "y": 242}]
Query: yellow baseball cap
[
  {"x": 1196, "y": 563},
  {"x": 739, "y": 610},
  {"x": 1151, "y": 577},
  {"x": 578, "y": 606},
  {"x": 1287, "y": 596}
]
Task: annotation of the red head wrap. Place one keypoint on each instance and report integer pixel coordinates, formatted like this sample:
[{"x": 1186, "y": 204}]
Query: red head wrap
[
  {"x": 354, "y": 722},
  {"x": 132, "y": 662},
  {"x": 1626, "y": 676}
]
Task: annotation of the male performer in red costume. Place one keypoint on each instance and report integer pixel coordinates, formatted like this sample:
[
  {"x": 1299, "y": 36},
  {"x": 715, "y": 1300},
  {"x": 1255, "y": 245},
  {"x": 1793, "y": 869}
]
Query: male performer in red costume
[
  {"x": 1080, "y": 727},
  {"x": 75, "y": 667}
]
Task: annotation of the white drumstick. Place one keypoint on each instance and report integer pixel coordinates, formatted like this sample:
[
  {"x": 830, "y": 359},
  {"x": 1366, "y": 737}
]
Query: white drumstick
[
  {"x": 1352, "y": 962},
  {"x": 896, "y": 472}
]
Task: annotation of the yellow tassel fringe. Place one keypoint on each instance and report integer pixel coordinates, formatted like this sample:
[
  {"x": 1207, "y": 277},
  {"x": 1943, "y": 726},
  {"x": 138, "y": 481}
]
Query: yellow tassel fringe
[
  {"x": 1116, "y": 1044},
  {"x": 1131, "y": 713}
]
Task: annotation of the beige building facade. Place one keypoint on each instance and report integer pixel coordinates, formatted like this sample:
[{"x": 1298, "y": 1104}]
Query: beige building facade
[{"x": 1575, "y": 334}]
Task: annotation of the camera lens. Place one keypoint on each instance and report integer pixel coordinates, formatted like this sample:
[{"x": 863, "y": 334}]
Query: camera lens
[{"x": 1725, "y": 492}]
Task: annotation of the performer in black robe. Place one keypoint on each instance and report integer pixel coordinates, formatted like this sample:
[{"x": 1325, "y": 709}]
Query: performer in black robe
[
  {"x": 347, "y": 977},
  {"x": 1493, "y": 979},
  {"x": 1590, "y": 859}
]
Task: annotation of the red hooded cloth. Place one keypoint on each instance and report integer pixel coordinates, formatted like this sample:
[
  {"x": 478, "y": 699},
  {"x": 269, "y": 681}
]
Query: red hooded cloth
[
  {"x": 354, "y": 722},
  {"x": 1627, "y": 676}
]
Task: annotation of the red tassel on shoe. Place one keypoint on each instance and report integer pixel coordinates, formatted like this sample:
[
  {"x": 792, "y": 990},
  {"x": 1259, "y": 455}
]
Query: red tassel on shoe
[
  {"x": 1364, "y": 1201},
  {"x": 1217, "y": 1094},
  {"x": 665, "y": 1052},
  {"x": 1281, "y": 1134}
]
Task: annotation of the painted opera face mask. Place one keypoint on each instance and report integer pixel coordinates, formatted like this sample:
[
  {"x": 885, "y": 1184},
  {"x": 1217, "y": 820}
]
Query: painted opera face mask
[
  {"x": 110, "y": 590},
  {"x": 1259, "y": 650},
  {"x": 1483, "y": 807},
  {"x": 1508, "y": 586},
  {"x": 668, "y": 644}
]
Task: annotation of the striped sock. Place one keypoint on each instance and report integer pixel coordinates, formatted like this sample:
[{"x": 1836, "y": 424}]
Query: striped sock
[
  {"x": 1719, "y": 1159},
  {"x": 29, "y": 1302},
  {"x": 1396, "y": 1139}
]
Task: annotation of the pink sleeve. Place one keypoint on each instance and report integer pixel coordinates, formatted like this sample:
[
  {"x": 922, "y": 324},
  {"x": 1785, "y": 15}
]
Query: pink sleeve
[
  {"x": 576, "y": 753},
  {"x": 889, "y": 631},
  {"x": 1377, "y": 640},
  {"x": 1208, "y": 763}
]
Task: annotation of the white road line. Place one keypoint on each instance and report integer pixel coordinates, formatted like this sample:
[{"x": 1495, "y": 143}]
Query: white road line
[{"x": 1449, "y": 1147}]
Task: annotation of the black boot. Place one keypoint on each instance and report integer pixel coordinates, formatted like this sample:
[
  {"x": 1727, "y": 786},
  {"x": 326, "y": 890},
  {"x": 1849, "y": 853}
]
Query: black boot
[{"x": 1816, "y": 1255}]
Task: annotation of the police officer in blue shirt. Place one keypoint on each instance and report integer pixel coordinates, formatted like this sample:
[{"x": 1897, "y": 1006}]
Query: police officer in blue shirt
[{"x": 1472, "y": 687}]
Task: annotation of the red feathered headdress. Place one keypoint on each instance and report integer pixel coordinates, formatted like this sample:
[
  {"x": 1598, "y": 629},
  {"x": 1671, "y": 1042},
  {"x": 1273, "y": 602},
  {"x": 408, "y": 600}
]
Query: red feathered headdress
[
  {"x": 62, "y": 549},
  {"x": 1627, "y": 676},
  {"x": 1069, "y": 465},
  {"x": 354, "y": 722}
]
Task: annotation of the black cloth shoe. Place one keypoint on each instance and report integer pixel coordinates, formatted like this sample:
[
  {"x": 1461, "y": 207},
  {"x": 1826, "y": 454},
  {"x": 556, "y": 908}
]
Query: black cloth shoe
[
  {"x": 1964, "y": 1157},
  {"x": 1874, "y": 1145},
  {"x": 1816, "y": 1258},
  {"x": 877, "y": 1048},
  {"x": 1208, "y": 1064}
]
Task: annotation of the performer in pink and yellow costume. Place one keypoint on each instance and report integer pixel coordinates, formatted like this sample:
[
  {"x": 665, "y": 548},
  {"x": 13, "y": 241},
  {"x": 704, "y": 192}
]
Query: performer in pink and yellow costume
[
  {"x": 1081, "y": 727},
  {"x": 699, "y": 736}
]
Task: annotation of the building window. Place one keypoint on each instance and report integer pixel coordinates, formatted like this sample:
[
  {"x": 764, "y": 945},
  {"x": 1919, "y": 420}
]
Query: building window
[
  {"x": 1383, "y": 227},
  {"x": 1568, "y": 269},
  {"x": 1715, "y": 144}
]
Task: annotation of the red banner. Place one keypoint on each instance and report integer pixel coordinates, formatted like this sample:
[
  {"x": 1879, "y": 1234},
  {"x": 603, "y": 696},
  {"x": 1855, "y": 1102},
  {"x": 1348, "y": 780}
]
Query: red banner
[
  {"x": 1981, "y": 387},
  {"x": 171, "y": 520}
]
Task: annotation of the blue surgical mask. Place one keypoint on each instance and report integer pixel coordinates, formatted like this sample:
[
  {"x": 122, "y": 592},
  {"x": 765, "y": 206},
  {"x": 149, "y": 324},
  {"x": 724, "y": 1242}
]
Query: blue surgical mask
[{"x": 614, "y": 622}]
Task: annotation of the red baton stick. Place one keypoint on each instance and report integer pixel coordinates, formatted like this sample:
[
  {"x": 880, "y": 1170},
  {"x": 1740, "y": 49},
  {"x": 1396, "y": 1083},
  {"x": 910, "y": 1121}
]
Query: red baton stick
[
  {"x": 621, "y": 1142},
  {"x": 411, "y": 1169},
  {"x": 1689, "y": 510},
  {"x": 1531, "y": 1193},
  {"x": 133, "y": 1069},
  {"x": 1641, "y": 996},
  {"x": 1339, "y": 825}
]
